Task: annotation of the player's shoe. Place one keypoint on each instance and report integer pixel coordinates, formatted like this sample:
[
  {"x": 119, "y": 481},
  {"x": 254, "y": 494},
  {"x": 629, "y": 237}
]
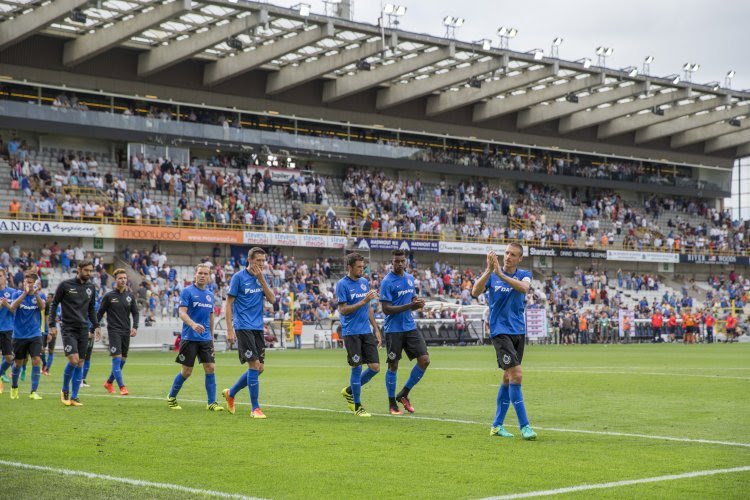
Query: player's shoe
[
  {"x": 35, "y": 396},
  {"x": 5, "y": 379},
  {"x": 348, "y": 397},
  {"x": 172, "y": 403},
  {"x": 500, "y": 431},
  {"x": 110, "y": 388},
  {"x": 45, "y": 372},
  {"x": 361, "y": 412},
  {"x": 124, "y": 391},
  {"x": 14, "y": 393},
  {"x": 258, "y": 413},
  {"x": 214, "y": 407},
  {"x": 407, "y": 404},
  {"x": 84, "y": 384},
  {"x": 528, "y": 433},
  {"x": 65, "y": 398},
  {"x": 395, "y": 410},
  {"x": 75, "y": 402},
  {"x": 230, "y": 400}
]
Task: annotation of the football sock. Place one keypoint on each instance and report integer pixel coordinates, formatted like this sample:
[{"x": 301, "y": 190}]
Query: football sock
[
  {"x": 86, "y": 366},
  {"x": 23, "y": 370},
  {"x": 355, "y": 383},
  {"x": 367, "y": 375},
  {"x": 44, "y": 359},
  {"x": 15, "y": 372},
  {"x": 390, "y": 385},
  {"x": 177, "y": 385},
  {"x": 517, "y": 399},
  {"x": 4, "y": 367},
  {"x": 76, "y": 381},
  {"x": 36, "y": 373},
  {"x": 67, "y": 375},
  {"x": 117, "y": 372},
  {"x": 211, "y": 387},
  {"x": 253, "y": 386},
  {"x": 414, "y": 377},
  {"x": 503, "y": 403},
  {"x": 240, "y": 384},
  {"x": 50, "y": 359}
]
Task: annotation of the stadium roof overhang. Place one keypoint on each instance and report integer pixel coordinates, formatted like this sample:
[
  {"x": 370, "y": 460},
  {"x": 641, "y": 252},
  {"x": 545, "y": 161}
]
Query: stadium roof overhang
[{"x": 265, "y": 57}]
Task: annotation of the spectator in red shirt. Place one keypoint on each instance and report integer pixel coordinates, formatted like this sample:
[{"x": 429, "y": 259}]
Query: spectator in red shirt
[
  {"x": 672, "y": 326},
  {"x": 657, "y": 321},
  {"x": 731, "y": 327},
  {"x": 710, "y": 322}
]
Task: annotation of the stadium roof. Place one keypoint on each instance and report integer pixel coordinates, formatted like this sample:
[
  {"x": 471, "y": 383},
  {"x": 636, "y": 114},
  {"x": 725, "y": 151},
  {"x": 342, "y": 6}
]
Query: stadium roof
[{"x": 332, "y": 65}]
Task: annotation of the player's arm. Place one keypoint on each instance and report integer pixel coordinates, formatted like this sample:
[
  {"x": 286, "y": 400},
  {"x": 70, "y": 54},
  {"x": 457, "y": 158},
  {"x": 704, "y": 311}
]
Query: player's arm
[
  {"x": 211, "y": 326},
  {"x": 347, "y": 309},
  {"x": 522, "y": 285},
  {"x": 136, "y": 316},
  {"x": 229, "y": 315},
  {"x": 481, "y": 283},
  {"x": 270, "y": 296},
  {"x": 17, "y": 301},
  {"x": 40, "y": 301},
  {"x": 183, "y": 313},
  {"x": 103, "y": 307},
  {"x": 92, "y": 312},
  {"x": 375, "y": 328},
  {"x": 56, "y": 301}
]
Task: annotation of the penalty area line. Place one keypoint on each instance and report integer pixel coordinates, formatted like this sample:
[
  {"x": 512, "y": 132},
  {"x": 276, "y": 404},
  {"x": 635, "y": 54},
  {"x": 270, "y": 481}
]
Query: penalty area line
[
  {"x": 125, "y": 480},
  {"x": 618, "y": 484}
]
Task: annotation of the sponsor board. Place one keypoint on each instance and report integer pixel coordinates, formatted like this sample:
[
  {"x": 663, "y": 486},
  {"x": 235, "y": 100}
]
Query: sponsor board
[
  {"x": 536, "y": 323},
  {"x": 157, "y": 233},
  {"x": 259, "y": 238},
  {"x": 52, "y": 228},
  {"x": 393, "y": 244},
  {"x": 277, "y": 174},
  {"x": 636, "y": 256},
  {"x": 474, "y": 248},
  {"x": 578, "y": 253},
  {"x": 714, "y": 259}
]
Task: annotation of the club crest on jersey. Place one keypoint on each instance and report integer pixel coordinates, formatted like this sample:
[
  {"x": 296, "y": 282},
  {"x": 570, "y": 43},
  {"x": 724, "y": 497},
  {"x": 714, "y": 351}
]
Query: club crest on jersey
[
  {"x": 248, "y": 354},
  {"x": 506, "y": 359},
  {"x": 411, "y": 283},
  {"x": 355, "y": 358},
  {"x": 363, "y": 286},
  {"x": 88, "y": 292},
  {"x": 182, "y": 357},
  {"x": 113, "y": 349},
  {"x": 209, "y": 298},
  {"x": 391, "y": 355},
  {"x": 68, "y": 348},
  {"x": 129, "y": 299}
]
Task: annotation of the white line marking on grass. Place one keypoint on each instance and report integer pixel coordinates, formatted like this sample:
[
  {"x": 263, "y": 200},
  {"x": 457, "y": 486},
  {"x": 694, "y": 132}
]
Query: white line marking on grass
[
  {"x": 134, "y": 482},
  {"x": 617, "y": 484},
  {"x": 457, "y": 421}
]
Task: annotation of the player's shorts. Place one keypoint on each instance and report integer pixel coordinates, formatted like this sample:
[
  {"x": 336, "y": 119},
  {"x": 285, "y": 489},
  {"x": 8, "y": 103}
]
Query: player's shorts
[
  {"x": 509, "y": 350},
  {"x": 251, "y": 345},
  {"x": 361, "y": 349},
  {"x": 24, "y": 348},
  {"x": 411, "y": 342},
  {"x": 89, "y": 348},
  {"x": 75, "y": 340},
  {"x": 119, "y": 343},
  {"x": 191, "y": 349},
  {"x": 6, "y": 343}
]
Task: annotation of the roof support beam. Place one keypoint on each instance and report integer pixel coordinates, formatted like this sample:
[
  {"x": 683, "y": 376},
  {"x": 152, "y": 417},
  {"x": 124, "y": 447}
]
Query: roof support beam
[
  {"x": 541, "y": 114},
  {"x": 743, "y": 151},
  {"x": 230, "y": 67},
  {"x": 162, "y": 57},
  {"x": 448, "y": 101},
  {"x": 653, "y": 132},
  {"x": 25, "y": 25},
  {"x": 398, "y": 94},
  {"x": 289, "y": 77},
  {"x": 363, "y": 80},
  {"x": 583, "y": 119},
  {"x": 696, "y": 135},
  {"x": 498, "y": 107},
  {"x": 634, "y": 122},
  {"x": 730, "y": 140},
  {"x": 85, "y": 47}
]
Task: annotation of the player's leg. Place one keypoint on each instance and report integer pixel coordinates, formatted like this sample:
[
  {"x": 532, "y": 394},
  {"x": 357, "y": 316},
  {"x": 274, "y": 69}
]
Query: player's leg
[
  {"x": 416, "y": 348},
  {"x": 500, "y": 343},
  {"x": 70, "y": 347},
  {"x": 51, "y": 340},
  {"x": 186, "y": 359},
  {"x": 75, "y": 382},
  {"x": 6, "y": 347},
  {"x": 206, "y": 358},
  {"x": 43, "y": 354},
  {"x": 15, "y": 375},
  {"x": 370, "y": 356},
  {"x": 352, "y": 393},
  {"x": 515, "y": 375},
  {"x": 35, "y": 352},
  {"x": 87, "y": 361},
  {"x": 23, "y": 369},
  {"x": 393, "y": 344}
]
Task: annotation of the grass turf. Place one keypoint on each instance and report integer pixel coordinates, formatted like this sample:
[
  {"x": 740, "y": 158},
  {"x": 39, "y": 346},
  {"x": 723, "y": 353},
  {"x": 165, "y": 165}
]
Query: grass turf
[{"x": 696, "y": 392}]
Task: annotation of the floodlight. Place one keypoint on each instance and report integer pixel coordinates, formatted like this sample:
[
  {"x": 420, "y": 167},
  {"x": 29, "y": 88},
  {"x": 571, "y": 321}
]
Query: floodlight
[{"x": 557, "y": 41}]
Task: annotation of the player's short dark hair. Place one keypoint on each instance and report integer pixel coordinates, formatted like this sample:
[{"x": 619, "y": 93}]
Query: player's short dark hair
[
  {"x": 30, "y": 275},
  {"x": 85, "y": 263},
  {"x": 119, "y": 271},
  {"x": 255, "y": 251},
  {"x": 398, "y": 253},
  {"x": 353, "y": 258},
  {"x": 517, "y": 245}
]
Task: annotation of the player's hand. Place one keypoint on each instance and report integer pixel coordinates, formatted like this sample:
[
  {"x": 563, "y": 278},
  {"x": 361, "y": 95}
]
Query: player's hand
[
  {"x": 91, "y": 334},
  {"x": 417, "y": 303},
  {"x": 496, "y": 263},
  {"x": 198, "y": 328},
  {"x": 53, "y": 331},
  {"x": 98, "y": 334},
  {"x": 256, "y": 270},
  {"x": 3, "y": 302},
  {"x": 377, "y": 336},
  {"x": 231, "y": 337},
  {"x": 29, "y": 289},
  {"x": 371, "y": 295},
  {"x": 133, "y": 332},
  {"x": 491, "y": 258}
]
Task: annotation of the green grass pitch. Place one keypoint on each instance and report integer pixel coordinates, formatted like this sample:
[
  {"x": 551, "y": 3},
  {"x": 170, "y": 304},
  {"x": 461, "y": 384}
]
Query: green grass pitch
[{"x": 311, "y": 447}]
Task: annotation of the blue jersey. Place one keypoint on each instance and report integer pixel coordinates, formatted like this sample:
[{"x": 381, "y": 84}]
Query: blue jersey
[
  {"x": 28, "y": 317},
  {"x": 6, "y": 317},
  {"x": 398, "y": 290},
  {"x": 350, "y": 292},
  {"x": 200, "y": 305},
  {"x": 507, "y": 306},
  {"x": 247, "y": 309}
]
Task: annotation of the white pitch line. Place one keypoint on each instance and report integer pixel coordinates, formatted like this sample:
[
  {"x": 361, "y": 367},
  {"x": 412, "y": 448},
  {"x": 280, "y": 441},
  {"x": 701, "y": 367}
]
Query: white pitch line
[
  {"x": 125, "y": 480},
  {"x": 617, "y": 484},
  {"x": 457, "y": 421}
]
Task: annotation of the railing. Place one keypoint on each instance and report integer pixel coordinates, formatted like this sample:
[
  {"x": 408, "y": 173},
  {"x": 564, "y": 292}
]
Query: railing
[{"x": 356, "y": 233}]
